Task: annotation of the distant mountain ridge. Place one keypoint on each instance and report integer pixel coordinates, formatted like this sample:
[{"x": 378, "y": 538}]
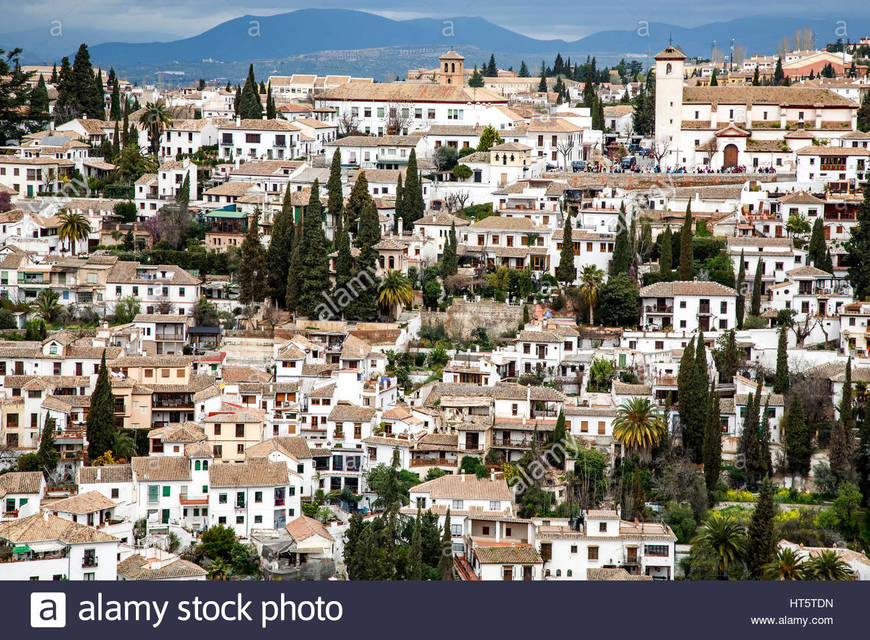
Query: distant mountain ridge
[{"x": 306, "y": 32}]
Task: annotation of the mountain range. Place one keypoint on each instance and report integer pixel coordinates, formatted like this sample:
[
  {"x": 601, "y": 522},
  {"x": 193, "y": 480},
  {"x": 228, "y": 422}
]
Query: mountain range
[{"x": 311, "y": 34}]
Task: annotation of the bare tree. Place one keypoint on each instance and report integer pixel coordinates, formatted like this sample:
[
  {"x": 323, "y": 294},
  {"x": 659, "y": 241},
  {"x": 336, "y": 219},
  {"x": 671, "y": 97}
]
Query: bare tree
[
  {"x": 709, "y": 149},
  {"x": 565, "y": 147},
  {"x": 659, "y": 149},
  {"x": 455, "y": 201},
  {"x": 348, "y": 124},
  {"x": 398, "y": 118}
]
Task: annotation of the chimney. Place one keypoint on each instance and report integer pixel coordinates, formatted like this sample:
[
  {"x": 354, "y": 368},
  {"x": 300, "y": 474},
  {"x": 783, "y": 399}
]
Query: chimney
[
  {"x": 264, "y": 117},
  {"x": 99, "y": 469},
  {"x": 238, "y": 121},
  {"x": 492, "y": 475},
  {"x": 401, "y": 225},
  {"x": 462, "y": 475}
]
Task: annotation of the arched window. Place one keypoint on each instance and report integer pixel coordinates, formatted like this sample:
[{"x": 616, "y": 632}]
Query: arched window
[
  {"x": 669, "y": 68},
  {"x": 496, "y": 157},
  {"x": 558, "y": 573},
  {"x": 569, "y": 573},
  {"x": 196, "y": 465},
  {"x": 452, "y": 66},
  {"x": 445, "y": 66},
  {"x": 205, "y": 465}
]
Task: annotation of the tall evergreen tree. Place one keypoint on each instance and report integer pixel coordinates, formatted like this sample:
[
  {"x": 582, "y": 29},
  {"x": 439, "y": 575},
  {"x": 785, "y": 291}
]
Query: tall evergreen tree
[
  {"x": 542, "y": 85},
  {"x": 622, "y": 250},
  {"x": 491, "y": 68},
  {"x": 778, "y": 73},
  {"x": 365, "y": 306},
  {"x": 291, "y": 292},
  {"x": 765, "y": 438},
  {"x": 761, "y": 536},
  {"x": 862, "y": 458},
  {"x": 39, "y": 101},
  {"x": 314, "y": 274},
  {"x": 524, "y": 70},
  {"x": 101, "y": 414},
  {"x": 280, "y": 249},
  {"x": 665, "y": 255},
  {"x": 781, "y": 380},
  {"x": 476, "y": 79},
  {"x": 54, "y": 74},
  {"x": 755, "y": 303},
  {"x": 449, "y": 260},
  {"x": 414, "y": 569},
  {"x": 566, "y": 271},
  {"x": 445, "y": 562},
  {"x": 116, "y": 143},
  {"x": 713, "y": 444},
  {"x": 397, "y": 211},
  {"x": 47, "y": 454},
  {"x": 686, "y": 253},
  {"x": 250, "y": 105},
  {"x": 67, "y": 105},
  {"x": 99, "y": 94},
  {"x": 684, "y": 383},
  {"x": 693, "y": 431},
  {"x": 271, "y": 111},
  {"x": 335, "y": 201},
  {"x": 357, "y": 202},
  {"x": 842, "y": 445},
  {"x": 87, "y": 101},
  {"x": 252, "y": 265},
  {"x": 413, "y": 205},
  {"x": 115, "y": 104},
  {"x": 858, "y": 248},
  {"x": 741, "y": 298},
  {"x": 798, "y": 438},
  {"x": 343, "y": 265},
  {"x": 750, "y": 441},
  {"x": 864, "y": 114},
  {"x": 816, "y": 248}
]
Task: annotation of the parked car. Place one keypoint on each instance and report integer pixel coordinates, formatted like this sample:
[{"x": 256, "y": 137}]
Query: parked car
[{"x": 579, "y": 165}]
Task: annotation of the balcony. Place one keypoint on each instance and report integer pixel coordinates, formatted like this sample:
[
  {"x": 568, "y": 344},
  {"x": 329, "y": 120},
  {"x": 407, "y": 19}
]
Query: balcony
[
  {"x": 175, "y": 336},
  {"x": 659, "y": 309},
  {"x": 432, "y": 462},
  {"x": 89, "y": 562}
]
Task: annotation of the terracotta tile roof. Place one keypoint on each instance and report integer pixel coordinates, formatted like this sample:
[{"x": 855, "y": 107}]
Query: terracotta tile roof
[
  {"x": 304, "y": 527},
  {"x": 83, "y": 503},
  {"x": 137, "y": 567},
  {"x": 44, "y": 526},
  {"x": 686, "y": 288},
  {"x": 187, "y": 432},
  {"x": 783, "y": 96},
  {"x": 354, "y": 348},
  {"x": 161, "y": 468},
  {"x": 293, "y": 446},
  {"x": 257, "y": 472},
  {"x": 21, "y": 482},
  {"x": 801, "y": 197},
  {"x": 348, "y": 412},
  {"x": 109, "y": 473},
  {"x": 410, "y": 92},
  {"x": 518, "y": 554},
  {"x": 465, "y": 486}
]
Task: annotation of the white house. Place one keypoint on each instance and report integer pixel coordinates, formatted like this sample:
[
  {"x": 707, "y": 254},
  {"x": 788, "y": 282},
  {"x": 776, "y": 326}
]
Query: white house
[{"x": 688, "y": 306}]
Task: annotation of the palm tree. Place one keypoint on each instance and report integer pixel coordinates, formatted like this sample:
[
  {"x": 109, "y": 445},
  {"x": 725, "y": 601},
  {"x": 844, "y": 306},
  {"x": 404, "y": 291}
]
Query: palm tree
[
  {"x": 828, "y": 566},
  {"x": 726, "y": 537},
  {"x": 639, "y": 425},
  {"x": 591, "y": 281},
  {"x": 46, "y": 305},
  {"x": 124, "y": 446},
  {"x": 395, "y": 292},
  {"x": 788, "y": 565},
  {"x": 218, "y": 570},
  {"x": 73, "y": 227},
  {"x": 156, "y": 118}
]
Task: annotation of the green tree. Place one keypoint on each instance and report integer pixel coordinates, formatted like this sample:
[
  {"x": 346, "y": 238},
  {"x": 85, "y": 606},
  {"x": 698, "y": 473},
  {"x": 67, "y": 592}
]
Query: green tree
[
  {"x": 445, "y": 563},
  {"x": 778, "y": 73},
  {"x": 695, "y": 425},
  {"x": 741, "y": 298},
  {"x": 73, "y": 228},
  {"x": 489, "y": 137},
  {"x": 665, "y": 260},
  {"x": 765, "y": 439},
  {"x": 491, "y": 68},
  {"x": 365, "y": 305},
  {"x": 524, "y": 70},
  {"x": 313, "y": 276},
  {"x": 542, "y": 85},
  {"x": 394, "y": 293},
  {"x": 250, "y": 105},
  {"x": 39, "y": 101},
  {"x": 755, "y": 304},
  {"x": 591, "y": 281},
  {"x": 101, "y": 414},
  {"x": 798, "y": 438},
  {"x": 713, "y": 444},
  {"x": 252, "y": 266},
  {"x": 686, "y": 254},
  {"x": 622, "y": 251},
  {"x": 639, "y": 426},
  {"x": 126, "y": 309},
  {"x": 115, "y": 101},
  {"x": 862, "y": 458},
  {"x": 280, "y": 250},
  {"x": 413, "y": 205},
  {"x": 335, "y": 201},
  {"x": 787, "y": 564},
  {"x": 827, "y": 566},
  {"x": 619, "y": 302},
  {"x": 858, "y": 248},
  {"x": 217, "y": 542},
  {"x": 358, "y": 200},
  {"x": 816, "y": 248},
  {"x": 566, "y": 272},
  {"x": 47, "y": 453},
  {"x": 726, "y": 538},
  {"x": 155, "y": 119},
  {"x": 842, "y": 445},
  {"x": 761, "y": 536},
  {"x": 398, "y": 213},
  {"x": 414, "y": 569},
  {"x": 343, "y": 264},
  {"x": 271, "y": 111},
  {"x": 476, "y": 80},
  {"x": 449, "y": 260},
  {"x": 864, "y": 114},
  {"x": 781, "y": 380},
  {"x": 15, "y": 97}
]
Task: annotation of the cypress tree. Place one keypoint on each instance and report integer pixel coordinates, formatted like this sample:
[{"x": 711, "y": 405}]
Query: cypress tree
[
  {"x": 291, "y": 292},
  {"x": 491, "y": 68},
  {"x": 816, "y": 248},
  {"x": 343, "y": 265},
  {"x": 397, "y": 213},
  {"x": 858, "y": 248},
  {"x": 693, "y": 431},
  {"x": 66, "y": 107},
  {"x": 665, "y": 255},
  {"x": 314, "y": 275},
  {"x": 99, "y": 96},
  {"x": 54, "y": 74},
  {"x": 827, "y": 264},
  {"x": 445, "y": 562},
  {"x": 413, "y": 205},
  {"x": 750, "y": 442},
  {"x": 335, "y": 200},
  {"x": 39, "y": 102},
  {"x": 115, "y": 105},
  {"x": 524, "y": 70},
  {"x": 755, "y": 304},
  {"x": 125, "y": 129},
  {"x": 781, "y": 380},
  {"x": 862, "y": 459},
  {"x": 476, "y": 80},
  {"x": 842, "y": 445},
  {"x": 101, "y": 414},
  {"x": 621, "y": 249},
  {"x": 761, "y": 540},
  {"x": 414, "y": 569},
  {"x": 542, "y": 85},
  {"x": 686, "y": 254},
  {"x": 280, "y": 249},
  {"x": 358, "y": 200},
  {"x": 798, "y": 438},
  {"x": 252, "y": 265},
  {"x": 365, "y": 306},
  {"x": 741, "y": 298},
  {"x": 47, "y": 455},
  {"x": 271, "y": 112},
  {"x": 713, "y": 445},
  {"x": 250, "y": 106},
  {"x": 116, "y": 143},
  {"x": 449, "y": 264},
  {"x": 765, "y": 439},
  {"x": 684, "y": 382},
  {"x": 566, "y": 271}
]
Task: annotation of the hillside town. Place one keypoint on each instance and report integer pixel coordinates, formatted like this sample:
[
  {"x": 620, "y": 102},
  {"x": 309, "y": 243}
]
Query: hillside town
[{"x": 566, "y": 322}]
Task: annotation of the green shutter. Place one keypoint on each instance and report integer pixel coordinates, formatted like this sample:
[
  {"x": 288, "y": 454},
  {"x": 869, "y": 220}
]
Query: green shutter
[
  {"x": 153, "y": 492},
  {"x": 166, "y": 491}
]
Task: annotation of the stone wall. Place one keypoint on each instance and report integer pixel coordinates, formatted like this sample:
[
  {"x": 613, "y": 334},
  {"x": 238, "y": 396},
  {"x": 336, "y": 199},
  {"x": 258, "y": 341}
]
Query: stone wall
[{"x": 463, "y": 317}]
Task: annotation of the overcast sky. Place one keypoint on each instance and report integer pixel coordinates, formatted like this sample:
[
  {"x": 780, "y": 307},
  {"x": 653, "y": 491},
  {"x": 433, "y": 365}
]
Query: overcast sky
[{"x": 567, "y": 19}]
